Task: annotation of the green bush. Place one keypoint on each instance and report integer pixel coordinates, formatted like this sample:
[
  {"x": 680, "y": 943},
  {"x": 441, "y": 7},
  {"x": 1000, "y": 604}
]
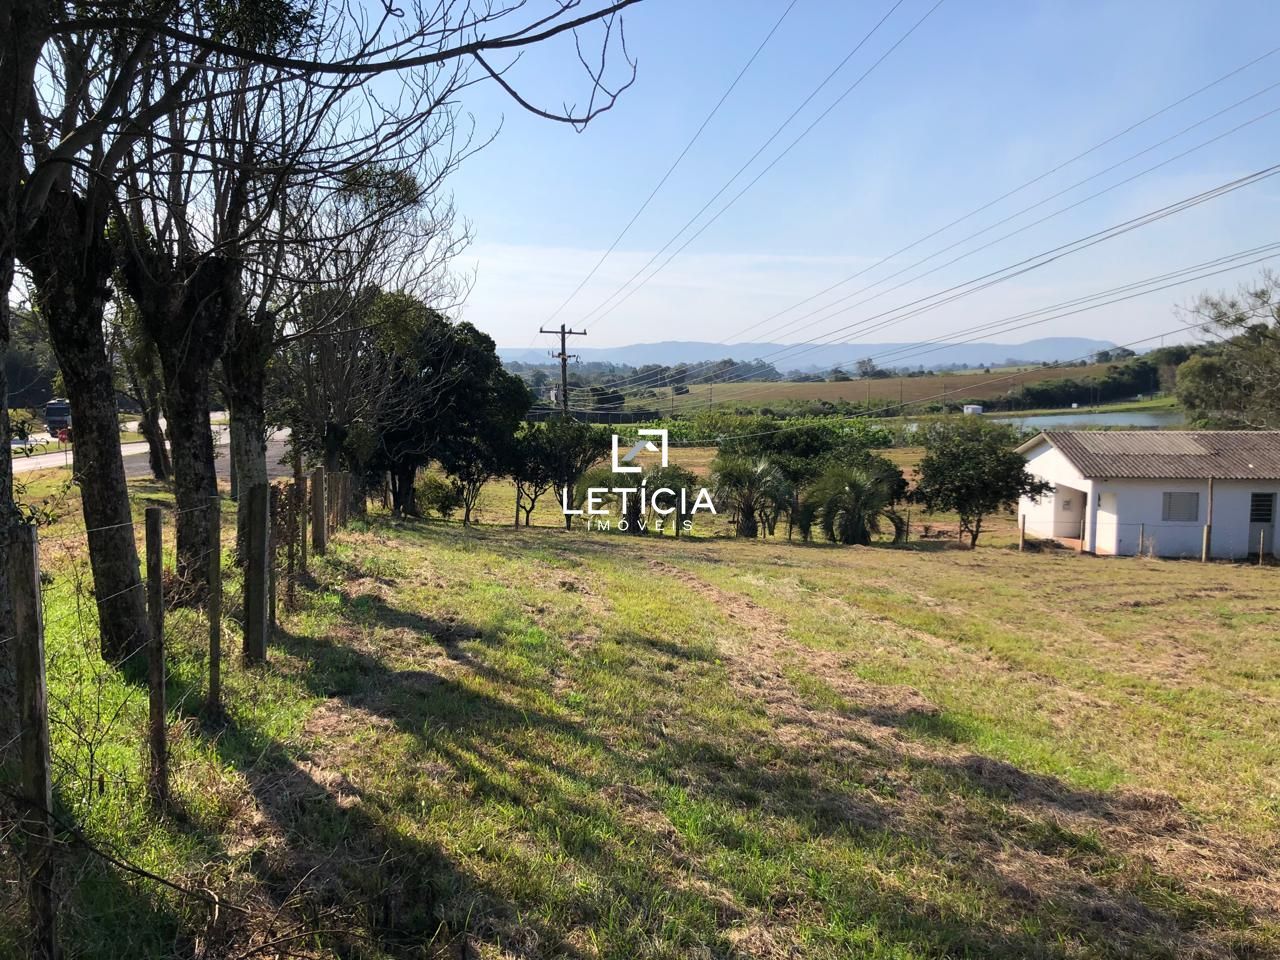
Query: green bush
[{"x": 437, "y": 495}]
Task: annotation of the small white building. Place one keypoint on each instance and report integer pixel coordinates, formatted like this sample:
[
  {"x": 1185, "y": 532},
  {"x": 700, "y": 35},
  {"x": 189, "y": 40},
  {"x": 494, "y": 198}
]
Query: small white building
[{"x": 1154, "y": 492}]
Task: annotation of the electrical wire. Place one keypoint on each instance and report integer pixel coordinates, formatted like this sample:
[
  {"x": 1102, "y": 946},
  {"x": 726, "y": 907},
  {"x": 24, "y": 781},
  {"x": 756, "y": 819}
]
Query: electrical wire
[
  {"x": 622, "y": 384},
  {"x": 675, "y": 163},
  {"x": 764, "y": 146},
  {"x": 957, "y": 291}
]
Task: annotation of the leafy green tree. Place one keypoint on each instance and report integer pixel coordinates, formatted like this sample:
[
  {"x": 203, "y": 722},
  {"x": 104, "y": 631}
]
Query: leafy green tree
[
  {"x": 533, "y": 468},
  {"x": 806, "y": 451},
  {"x": 575, "y": 446},
  {"x": 972, "y": 467},
  {"x": 751, "y": 490},
  {"x": 1238, "y": 385},
  {"x": 1208, "y": 390},
  {"x": 852, "y": 504},
  {"x": 478, "y": 442}
]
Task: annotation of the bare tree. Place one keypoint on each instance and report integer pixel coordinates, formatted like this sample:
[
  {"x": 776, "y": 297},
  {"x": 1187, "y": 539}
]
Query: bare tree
[{"x": 74, "y": 105}]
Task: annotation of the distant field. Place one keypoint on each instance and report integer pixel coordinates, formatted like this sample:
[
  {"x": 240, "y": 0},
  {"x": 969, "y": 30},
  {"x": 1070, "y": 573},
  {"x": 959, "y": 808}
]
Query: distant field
[{"x": 966, "y": 386}]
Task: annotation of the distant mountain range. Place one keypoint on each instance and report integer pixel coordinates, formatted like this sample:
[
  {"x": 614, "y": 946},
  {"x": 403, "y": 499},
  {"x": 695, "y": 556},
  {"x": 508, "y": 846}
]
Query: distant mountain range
[{"x": 1045, "y": 350}]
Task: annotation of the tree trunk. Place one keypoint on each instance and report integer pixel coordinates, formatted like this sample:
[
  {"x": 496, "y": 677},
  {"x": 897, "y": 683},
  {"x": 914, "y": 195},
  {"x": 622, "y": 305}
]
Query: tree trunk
[
  {"x": 194, "y": 479},
  {"x": 187, "y": 309},
  {"x": 22, "y": 33},
  {"x": 70, "y": 292},
  {"x": 157, "y": 452},
  {"x": 146, "y": 391},
  {"x": 233, "y": 431},
  {"x": 404, "y": 501},
  {"x": 244, "y": 366},
  {"x": 8, "y": 519}
]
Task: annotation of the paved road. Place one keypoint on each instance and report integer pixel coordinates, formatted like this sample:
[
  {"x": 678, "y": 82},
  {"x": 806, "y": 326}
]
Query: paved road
[{"x": 136, "y": 465}]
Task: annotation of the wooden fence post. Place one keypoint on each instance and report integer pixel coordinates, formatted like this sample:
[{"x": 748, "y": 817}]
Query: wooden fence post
[
  {"x": 1262, "y": 546},
  {"x": 36, "y": 780},
  {"x": 274, "y": 494},
  {"x": 290, "y": 525},
  {"x": 157, "y": 741},
  {"x": 1022, "y": 533},
  {"x": 331, "y": 501},
  {"x": 319, "y": 532},
  {"x": 214, "y": 702},
  {"x": 1206, "y": 551},
  {"x": 300, "y": 499},
  {"x": 1080, "y": 548},
  {"x": 256, "y": 576},
  {"x": 1142, "y": 539}
]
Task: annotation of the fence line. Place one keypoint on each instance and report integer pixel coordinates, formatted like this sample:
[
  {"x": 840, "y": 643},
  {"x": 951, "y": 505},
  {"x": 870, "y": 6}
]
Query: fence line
[{"x": 278, "y": 525}]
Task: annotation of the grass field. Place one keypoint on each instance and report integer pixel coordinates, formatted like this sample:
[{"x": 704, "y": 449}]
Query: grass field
[
  {"x": 532, "y": 743},
  {"x": 951, "y": 386}
]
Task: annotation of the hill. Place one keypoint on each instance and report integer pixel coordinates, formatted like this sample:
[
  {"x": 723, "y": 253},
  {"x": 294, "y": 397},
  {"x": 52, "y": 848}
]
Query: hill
[{"x": 1044, "y": 350}]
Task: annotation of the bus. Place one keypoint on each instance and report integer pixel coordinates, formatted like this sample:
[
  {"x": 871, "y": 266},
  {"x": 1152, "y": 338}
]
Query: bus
[{"x": 57, "y": 415}]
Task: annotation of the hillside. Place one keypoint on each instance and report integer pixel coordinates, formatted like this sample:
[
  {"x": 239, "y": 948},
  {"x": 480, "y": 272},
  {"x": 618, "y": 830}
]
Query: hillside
[
  {"x": 1045, "y": 350},
  {"x": 498, "y": 742}
]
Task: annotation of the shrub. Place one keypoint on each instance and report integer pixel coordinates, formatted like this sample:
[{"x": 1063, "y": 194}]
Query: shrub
[{"x": 437, "y": 495}]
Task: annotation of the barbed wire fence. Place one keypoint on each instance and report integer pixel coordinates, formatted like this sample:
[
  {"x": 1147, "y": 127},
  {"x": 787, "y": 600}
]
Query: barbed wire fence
[{"x": 74, "y": 758}]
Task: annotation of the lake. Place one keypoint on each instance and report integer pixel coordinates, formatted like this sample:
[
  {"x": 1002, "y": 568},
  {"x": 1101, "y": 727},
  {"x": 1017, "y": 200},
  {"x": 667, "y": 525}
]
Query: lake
[{"x": 1080, "y": 419}]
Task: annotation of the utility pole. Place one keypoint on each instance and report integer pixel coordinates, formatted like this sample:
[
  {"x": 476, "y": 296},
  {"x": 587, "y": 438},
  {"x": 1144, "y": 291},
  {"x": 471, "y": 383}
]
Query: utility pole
[{"x": 564, "y": 358}]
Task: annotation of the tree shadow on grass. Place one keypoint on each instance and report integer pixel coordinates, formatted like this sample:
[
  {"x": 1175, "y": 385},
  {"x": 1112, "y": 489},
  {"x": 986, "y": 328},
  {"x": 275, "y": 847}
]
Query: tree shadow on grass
[{"x": 641, "y": 813}]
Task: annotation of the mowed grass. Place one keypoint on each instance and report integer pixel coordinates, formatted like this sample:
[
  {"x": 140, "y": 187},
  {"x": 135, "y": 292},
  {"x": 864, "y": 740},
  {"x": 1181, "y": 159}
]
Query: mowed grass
[
  {"x": 493, "y": 742},
  {"x": 935, "y": 388}
]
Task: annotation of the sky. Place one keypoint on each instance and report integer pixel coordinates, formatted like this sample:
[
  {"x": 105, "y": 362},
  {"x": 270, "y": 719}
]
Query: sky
[{"x": 981, "y": 97}]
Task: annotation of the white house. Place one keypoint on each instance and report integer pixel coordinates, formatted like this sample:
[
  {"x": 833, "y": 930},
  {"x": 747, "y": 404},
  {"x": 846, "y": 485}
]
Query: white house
[{"x": 1126, "y": 492}]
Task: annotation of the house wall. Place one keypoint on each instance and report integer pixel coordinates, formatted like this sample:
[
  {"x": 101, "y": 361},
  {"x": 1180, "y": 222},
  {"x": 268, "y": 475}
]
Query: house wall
[
  {"x": 1136, "y": 508},
  {"x": 1057, "y": 514},
  {"x": 1119, "y": 514}
]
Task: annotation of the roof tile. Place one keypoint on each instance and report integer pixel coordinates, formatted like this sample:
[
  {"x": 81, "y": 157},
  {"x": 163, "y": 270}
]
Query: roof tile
[{"x": 1170, "y": 454}]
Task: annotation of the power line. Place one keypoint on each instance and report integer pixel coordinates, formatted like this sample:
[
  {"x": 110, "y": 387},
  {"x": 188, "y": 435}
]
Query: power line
[
  {"x": 1058, "y": 311},
  {"x": 1013, "y": 233},
  {"x": 764, "y": 146},
  {"x": 671, "y": 169},
  {"x": 772, "y": 163},
  {"x": 1093, "y": 149},
  {"x": 957, "y": 291}
]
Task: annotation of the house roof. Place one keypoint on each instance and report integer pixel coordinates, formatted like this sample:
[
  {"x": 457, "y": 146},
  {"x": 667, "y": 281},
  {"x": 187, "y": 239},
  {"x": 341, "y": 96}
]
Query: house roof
[{"x": 1168, "y": 454}]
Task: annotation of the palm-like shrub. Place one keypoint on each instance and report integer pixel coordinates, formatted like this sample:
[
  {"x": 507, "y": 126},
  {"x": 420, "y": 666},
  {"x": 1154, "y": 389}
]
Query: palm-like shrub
[
  {"x": 752, "y": 491},
  {"x": 678, "y": 480},
  {"x": 852, "y": 504}
]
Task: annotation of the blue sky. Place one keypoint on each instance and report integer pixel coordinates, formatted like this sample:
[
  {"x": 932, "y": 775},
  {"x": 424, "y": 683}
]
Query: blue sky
[{"x": 983, "y": 96}]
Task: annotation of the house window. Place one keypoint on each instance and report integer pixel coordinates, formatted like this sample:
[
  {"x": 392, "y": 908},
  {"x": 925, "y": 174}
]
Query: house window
[
  {"x": 1181, "y": 507},
  {"x": 1262, "y": 508}
]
